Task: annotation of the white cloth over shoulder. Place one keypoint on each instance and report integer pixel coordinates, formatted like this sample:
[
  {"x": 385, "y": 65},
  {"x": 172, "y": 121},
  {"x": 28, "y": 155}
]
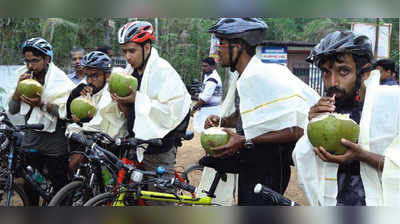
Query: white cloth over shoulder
[
  {"x": 108, "y": 118},
  {"x": 162, "y": 102},
  {"x": 272, "y": 98},
  {"x": 379, "y": 133},
  {"x": 56, "y": 89}
]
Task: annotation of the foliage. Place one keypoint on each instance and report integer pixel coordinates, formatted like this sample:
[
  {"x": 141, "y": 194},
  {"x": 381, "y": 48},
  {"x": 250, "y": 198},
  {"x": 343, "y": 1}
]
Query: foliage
[{"x": 184, "y": 42}]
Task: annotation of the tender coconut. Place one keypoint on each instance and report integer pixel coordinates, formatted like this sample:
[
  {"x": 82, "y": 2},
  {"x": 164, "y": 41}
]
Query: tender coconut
[
  {"x": 30, "y": 88},
  {"x": 80, "y": 107},
  {"x": 216, "y": 136},
  {"x": 328, "y": 130},
  {"x": 120, "y": 81}
]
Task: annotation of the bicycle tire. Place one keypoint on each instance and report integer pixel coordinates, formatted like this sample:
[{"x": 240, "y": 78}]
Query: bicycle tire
[
  {"x": 99, "y": 199},
  {"x": 67, "y": 191},
  {"x": 23, "y": 198},
  {"x": 192, "y": 174}
]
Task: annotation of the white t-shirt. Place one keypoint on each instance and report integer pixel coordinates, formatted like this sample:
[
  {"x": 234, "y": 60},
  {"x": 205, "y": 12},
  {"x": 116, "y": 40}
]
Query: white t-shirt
[{"x": 211, "y": 90}]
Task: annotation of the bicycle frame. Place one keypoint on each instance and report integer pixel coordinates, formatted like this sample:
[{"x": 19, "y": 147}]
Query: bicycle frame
[
  {"x": 164, "y": 197},
  {"x": 24, "y": 175},
  {"x": 168, "y": 197}
]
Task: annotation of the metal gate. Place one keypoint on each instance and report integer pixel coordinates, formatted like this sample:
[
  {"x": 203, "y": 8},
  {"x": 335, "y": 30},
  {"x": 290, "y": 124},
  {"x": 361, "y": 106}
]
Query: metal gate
[{"x": 310, "y": 75}]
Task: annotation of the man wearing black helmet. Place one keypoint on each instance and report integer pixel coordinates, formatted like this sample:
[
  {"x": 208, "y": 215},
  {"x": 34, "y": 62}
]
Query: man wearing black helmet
[
  {"x": 267, "y": 105},
  {"x": 47, "y": 147},
  {"x": 108, "y": 119},
  {"x": 345, "y": 60}
]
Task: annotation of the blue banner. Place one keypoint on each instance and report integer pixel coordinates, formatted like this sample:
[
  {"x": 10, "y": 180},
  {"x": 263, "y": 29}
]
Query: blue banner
[{"x": 274, "y": 55}]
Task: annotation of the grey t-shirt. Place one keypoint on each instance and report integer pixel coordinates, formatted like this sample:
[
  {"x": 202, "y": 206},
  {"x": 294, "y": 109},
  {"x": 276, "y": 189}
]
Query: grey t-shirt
[{"x": 49, "y": 144}]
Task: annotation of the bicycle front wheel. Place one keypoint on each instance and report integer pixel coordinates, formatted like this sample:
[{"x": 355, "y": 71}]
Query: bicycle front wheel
[
  {"x": 192, "y": 175},
  {"x": 75, "y": 193},
  {"x": 104, "y": 199}
]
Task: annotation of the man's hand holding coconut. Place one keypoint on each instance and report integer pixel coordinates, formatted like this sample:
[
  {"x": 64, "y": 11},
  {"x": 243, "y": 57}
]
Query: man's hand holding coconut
[{"x": 235, "y": 143}]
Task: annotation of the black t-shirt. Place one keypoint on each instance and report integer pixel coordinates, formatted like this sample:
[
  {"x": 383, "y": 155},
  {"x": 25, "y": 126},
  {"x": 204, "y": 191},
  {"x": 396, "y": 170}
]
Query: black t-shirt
[
  {"x": 350, "y": 186},
  {"x": 265, "y": 163}
]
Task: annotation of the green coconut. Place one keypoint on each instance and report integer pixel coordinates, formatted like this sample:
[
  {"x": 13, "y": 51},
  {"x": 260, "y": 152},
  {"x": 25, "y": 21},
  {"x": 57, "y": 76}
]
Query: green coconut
[
  {"x": 214, "y": 135},
  {"x": 30, "y": 88},
  {"x": 328, "y": 130},
  {"x": 120, "y": 81},
  {"x": 80, "y": 107}
]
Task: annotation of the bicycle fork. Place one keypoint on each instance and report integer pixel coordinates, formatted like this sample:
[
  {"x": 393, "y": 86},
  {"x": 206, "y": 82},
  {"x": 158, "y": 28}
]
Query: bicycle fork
[{"x": 10, "y": 181}]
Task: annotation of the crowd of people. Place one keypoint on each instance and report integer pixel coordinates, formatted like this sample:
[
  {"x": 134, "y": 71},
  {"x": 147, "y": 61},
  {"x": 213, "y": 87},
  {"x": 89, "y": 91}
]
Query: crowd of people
[{"x": 265, "y": 112}]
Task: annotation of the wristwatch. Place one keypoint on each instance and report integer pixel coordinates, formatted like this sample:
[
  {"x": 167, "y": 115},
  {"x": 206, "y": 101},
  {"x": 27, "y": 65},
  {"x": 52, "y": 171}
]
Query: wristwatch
[
  {"x": 44, "y": 107},
  {"x": 248, "y": 144}
]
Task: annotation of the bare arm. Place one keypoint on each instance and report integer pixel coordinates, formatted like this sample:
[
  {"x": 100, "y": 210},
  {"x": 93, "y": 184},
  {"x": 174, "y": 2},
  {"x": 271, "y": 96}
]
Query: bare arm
[
  {"x": 231, "y": 121},
  {"x": 199, "y": 104},
  {"x": 14, "y": 106},
  {"x": 354, "y": 152},
  {"x": 281, "y": 136},
  {"x": 226, "y": 122}
]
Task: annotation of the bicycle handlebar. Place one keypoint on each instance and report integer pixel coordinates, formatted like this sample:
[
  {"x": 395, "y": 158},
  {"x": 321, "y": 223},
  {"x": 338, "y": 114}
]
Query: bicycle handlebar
[
  {"x": 184, "y": 186},
  {"x": 271, "y": 195},
  {"x": 135, "y": 142},
  {"x": 30, "y": 126},
  {"x": 89, "y": 143}
]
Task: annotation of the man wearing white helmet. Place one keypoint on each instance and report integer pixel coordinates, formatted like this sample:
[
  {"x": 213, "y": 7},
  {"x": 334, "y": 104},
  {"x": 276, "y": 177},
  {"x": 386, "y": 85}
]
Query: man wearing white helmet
[
  {"x": 160, "y": 107},
  {"x": 48, "y": 146}
]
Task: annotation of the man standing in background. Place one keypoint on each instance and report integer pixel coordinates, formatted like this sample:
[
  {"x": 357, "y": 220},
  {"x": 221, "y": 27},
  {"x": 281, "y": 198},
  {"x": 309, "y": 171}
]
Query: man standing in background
[
  {"x": 388, "y": 71},
  {"x": 76, "y": 56},
  {"x": 210, "y": 97}
]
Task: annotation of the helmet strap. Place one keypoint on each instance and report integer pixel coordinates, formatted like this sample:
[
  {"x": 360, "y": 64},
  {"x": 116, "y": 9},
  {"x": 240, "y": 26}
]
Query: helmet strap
[
  {"x": 233, "y": 63},
  {"x": 144, "y": 61}
]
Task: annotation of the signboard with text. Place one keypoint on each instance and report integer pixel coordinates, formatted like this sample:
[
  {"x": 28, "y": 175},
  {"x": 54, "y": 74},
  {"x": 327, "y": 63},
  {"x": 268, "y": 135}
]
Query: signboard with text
[{"x": 274, "y": 55}]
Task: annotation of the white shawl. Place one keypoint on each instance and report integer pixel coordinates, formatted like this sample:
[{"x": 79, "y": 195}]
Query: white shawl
[
  {"x": 271, "y": 98},
  {"x": 379, "y": 133},
  {"x": 56, "y": 89},
  {"x": 108, "y": 118},
  {"x": 162, "y": 102}
]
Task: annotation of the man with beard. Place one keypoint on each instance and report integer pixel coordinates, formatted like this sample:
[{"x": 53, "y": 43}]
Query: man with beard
[
  {"x": 267, "y": 105},
  {"x": 47, "y": 147},
  {"x": 108, "y": 118},
  {"x": 345, "y": 60}
]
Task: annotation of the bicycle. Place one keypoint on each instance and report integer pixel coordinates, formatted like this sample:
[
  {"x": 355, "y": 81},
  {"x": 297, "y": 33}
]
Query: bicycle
[
  {"x": 98, "y": 166},
  {"x": 12, "y": 165},
  {"x": 130, "y": 192}
]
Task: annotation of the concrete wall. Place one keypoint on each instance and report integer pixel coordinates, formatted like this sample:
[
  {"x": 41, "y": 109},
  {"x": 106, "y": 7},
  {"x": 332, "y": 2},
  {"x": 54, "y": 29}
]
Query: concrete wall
[{"x": 8, "y": 81}]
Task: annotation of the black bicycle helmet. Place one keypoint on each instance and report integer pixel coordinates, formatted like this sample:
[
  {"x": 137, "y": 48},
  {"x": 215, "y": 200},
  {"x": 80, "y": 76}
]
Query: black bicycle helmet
[
  {"x": 98, "y": 60},
  {"x": 341, "y": 42},
  {"x": 39, "y": 44},
  {"x": 250, "y": 30}
]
